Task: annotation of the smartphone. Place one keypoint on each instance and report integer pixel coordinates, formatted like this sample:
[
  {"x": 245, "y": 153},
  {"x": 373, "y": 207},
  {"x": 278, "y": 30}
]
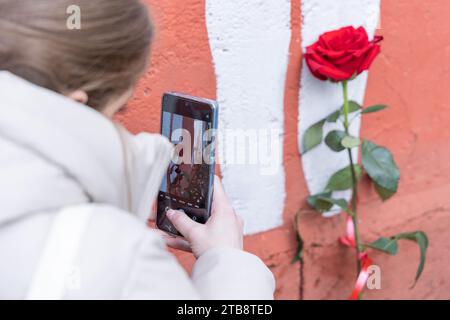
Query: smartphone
[{"x": 190, "y": 123}]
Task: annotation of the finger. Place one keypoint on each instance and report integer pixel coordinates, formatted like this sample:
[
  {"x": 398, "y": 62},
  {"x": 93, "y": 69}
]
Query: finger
[
  {"x": 177, "y": 243},
  {"x": 220, "y": 199},
  {"x": 174, "y": 242},
  {"x": 182, "y": 222}
]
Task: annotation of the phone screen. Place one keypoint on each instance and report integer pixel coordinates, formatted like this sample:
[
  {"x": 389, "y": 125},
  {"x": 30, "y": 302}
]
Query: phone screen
[{"x": 187, "y": 184}]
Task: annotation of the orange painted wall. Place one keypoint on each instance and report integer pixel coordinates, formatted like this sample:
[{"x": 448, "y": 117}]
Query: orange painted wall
[
  {"x": 181, "y": 61},
  {"x": 412, "y": 76}
]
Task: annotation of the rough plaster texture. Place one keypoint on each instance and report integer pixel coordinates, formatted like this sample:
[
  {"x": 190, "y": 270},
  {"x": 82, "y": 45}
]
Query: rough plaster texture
[
  {"x": 318, "y": 99},
  {"x": 411, "y": 75},
  {"x": 249, "y": 44}
]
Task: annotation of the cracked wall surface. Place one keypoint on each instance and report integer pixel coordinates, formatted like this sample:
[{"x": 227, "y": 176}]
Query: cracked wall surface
[{"x": 411, "y": 75}]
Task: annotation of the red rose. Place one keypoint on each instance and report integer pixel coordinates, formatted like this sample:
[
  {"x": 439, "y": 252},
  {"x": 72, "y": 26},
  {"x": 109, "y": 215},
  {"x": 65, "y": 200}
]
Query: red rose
[{"x": 342, "y": 54}]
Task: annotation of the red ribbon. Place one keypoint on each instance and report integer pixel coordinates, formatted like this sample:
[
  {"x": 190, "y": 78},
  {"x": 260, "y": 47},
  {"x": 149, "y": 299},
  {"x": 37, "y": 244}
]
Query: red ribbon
[{"x": 349, "y": 241}]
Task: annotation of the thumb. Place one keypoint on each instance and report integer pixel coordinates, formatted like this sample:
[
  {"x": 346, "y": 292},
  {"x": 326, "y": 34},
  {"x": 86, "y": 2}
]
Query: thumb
[{"x": 182, "y": 222}]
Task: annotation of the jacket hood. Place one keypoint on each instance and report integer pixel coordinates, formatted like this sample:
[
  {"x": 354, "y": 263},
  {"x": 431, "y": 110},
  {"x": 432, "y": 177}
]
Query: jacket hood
[{"x": 55, "y": 152}]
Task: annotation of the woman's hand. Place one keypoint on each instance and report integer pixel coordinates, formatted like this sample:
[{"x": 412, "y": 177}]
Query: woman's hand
[{"x": 223, "y": 229}]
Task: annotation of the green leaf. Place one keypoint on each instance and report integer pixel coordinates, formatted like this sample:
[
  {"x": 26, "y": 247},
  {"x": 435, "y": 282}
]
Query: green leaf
[
  {"x": 333, "y": 140},
  {"x": 386, "y": 245},
  {"x": 374, "y": 108},
  {"x": 342, "y": 180},
  {"x": 313, "y": 136},
  {"x": 334, "y": 116},
  {"x": 353, "y": 106},
  {"x": 381, "y": 168},
  {"x": 390, "y": 246},
  {"x": 350, "y": 142},
  {"x": 342, "y": 203},
  {"x": 323, "y": 207},
  {"x": 421, "y": 239},
  {"x": 383, "y": 193}
]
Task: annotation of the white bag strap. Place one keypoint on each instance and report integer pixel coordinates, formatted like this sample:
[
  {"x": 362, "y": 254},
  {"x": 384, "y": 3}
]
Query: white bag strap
[{"x": 57, "y": 260}]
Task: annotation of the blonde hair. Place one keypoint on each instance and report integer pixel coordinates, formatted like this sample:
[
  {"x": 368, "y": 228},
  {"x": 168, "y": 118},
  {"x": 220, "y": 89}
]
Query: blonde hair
[{"x": 105, "y": 57}]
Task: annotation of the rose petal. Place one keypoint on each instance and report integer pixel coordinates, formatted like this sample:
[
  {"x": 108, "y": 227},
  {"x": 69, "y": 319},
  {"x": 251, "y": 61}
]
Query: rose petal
[
  {"x": 369, "y": 58},
  {"x": 314, "y": 67},
  {"x": 340, "y": 54},
  {"x": 323, "y": 71},
  {"x": 377, "y": 39}
]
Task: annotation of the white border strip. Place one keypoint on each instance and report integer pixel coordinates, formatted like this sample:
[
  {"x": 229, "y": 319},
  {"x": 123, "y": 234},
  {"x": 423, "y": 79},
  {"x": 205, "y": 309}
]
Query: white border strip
[{"x": 250, "y": 44}]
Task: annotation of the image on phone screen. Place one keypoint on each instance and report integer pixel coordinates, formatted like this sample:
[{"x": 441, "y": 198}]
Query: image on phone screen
[{"x": 187, "y": 183}]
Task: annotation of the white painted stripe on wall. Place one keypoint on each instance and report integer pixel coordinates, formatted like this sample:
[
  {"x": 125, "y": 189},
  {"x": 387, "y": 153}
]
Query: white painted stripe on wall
[
  {"x": 249, "y": 43},
  {"x": 318, "y": 98}
]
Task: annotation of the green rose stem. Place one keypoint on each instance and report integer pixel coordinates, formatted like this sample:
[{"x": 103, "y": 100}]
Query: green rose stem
[{"x": 353, "y": 211}]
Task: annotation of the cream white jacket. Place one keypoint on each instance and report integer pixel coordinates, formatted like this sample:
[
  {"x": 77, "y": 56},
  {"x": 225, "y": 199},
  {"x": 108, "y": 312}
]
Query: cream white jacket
[{"x": 57, "y": 154}]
